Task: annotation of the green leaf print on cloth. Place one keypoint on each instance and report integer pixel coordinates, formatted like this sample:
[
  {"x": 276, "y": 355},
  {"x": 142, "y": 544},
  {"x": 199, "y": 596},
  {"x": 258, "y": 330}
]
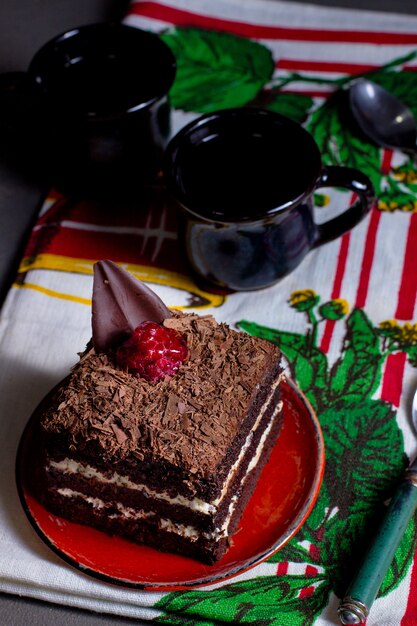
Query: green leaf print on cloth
[
  {"x": 253, "y": 602},
  {"x": 364, "y": 446},
  {"x": 293, "y": 105},
  {"x": 216, "y": 70},
  {"x": 364, "y": 461}
]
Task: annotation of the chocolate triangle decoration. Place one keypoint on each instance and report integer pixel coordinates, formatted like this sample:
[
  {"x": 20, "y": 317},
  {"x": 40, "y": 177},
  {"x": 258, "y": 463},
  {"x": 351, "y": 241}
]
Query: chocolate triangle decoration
[{"x": 120, "y": 303}]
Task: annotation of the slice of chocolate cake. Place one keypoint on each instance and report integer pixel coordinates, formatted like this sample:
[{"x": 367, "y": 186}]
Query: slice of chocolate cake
[{"x": 161, "y": 431}]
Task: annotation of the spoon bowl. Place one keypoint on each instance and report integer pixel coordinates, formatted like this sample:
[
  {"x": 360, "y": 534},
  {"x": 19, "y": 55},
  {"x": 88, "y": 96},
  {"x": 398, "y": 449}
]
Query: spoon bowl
[{"x": 383, "y": 117}]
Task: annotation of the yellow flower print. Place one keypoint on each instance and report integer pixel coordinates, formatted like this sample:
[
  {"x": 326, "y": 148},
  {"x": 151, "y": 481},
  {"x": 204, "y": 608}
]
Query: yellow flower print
[
  {"x": 409, "y": 334},
  {"x": 304, "y": 299},
  {"x": 335, "y": 309}
]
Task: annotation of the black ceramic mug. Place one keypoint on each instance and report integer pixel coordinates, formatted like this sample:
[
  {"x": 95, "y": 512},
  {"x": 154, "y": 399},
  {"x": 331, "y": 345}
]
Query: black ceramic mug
[
  {"x": 244, "y": 179},
  {"x": 99, "y": 103}
]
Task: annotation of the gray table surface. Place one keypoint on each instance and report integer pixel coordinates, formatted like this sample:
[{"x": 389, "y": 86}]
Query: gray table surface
[{"x": 24, "y": 26}]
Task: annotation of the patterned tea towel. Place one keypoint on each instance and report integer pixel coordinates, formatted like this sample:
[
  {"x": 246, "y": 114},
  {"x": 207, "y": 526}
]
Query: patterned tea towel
[{"x": 345, "y": 318}]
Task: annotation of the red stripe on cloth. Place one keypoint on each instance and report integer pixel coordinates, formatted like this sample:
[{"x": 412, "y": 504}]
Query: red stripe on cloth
[
  {"x": 368, "y": 258},
  {"x": 310, "y": 570},
  {"x": 179, "y": 17},
  {"x": 407, "y": 294},
  {"x": 330, "y": 66},
  {"x": 315, "y": 555},
  {"x": 369, "y": 252},
  {"x": 327, "y": 336},
  {"x": 393, "y": 376},
  {"x": 366, "y": 266},
  {"x": 336, "y": 290},
  {"x": 322, "y": 66},
  {"x": 408, "y": 286},
  {"x": 308, "y": 591},
  {"x": 386, "y": 161},
  {"x": 282, "y": 569}
]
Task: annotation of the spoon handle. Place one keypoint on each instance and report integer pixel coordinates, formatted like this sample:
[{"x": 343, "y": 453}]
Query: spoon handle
[{"x": 363, "y": 590}]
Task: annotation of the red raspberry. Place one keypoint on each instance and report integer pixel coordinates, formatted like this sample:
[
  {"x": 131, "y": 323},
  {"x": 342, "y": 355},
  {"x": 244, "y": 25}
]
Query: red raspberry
[{"x": 152, "y": 351}]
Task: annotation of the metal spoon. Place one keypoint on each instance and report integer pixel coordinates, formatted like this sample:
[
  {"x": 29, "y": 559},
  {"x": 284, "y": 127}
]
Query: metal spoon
[
  {"x": 383, "y": 117},
  {"x": 354, "y": 607}
]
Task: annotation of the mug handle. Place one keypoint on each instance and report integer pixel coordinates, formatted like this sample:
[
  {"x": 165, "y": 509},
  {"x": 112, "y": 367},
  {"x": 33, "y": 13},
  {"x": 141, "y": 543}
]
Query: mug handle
[{"x": 352, "y": 179}]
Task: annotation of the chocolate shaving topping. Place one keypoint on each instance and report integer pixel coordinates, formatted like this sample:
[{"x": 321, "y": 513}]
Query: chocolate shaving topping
[
  {"x": 120, "y": 434},
  {"x": 188, "y": 419}
]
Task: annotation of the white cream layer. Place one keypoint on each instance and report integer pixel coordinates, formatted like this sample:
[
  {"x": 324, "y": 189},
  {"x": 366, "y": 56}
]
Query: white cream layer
[
  {"x": 69, "y": 466},
  {"x": 187, "y": 531}
]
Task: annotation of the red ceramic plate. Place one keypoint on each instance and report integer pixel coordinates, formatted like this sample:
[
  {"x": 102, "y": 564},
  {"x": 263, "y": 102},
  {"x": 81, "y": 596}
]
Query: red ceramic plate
[{"x": 286, "y": 491}]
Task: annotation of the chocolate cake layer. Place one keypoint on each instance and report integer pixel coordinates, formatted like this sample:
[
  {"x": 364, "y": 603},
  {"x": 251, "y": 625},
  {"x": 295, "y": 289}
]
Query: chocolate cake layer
[
  {"x": 174, "y": 528},
  {"x": 90, "y": 481}
]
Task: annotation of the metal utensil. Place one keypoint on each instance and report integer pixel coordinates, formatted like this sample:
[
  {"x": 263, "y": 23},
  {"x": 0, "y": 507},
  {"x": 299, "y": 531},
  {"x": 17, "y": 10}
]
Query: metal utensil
[
  {"x": 355, "y": 606},
  {"x": 383, "y": 117}
]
